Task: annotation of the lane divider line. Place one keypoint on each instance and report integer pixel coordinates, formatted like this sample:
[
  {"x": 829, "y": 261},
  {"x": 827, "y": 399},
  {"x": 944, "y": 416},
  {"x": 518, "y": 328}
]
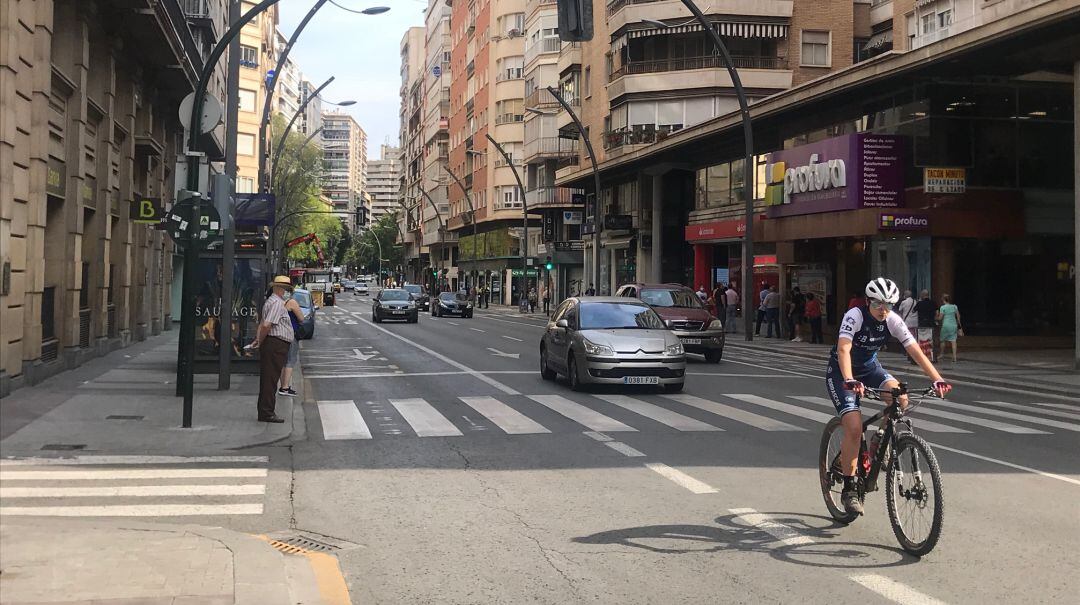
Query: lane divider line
[
  {"x": 1004, "y": 463},
  {"x": 781, "y": 532},
  {"x": 681, "y": 479},
  {"x": 893, "y": 590}
]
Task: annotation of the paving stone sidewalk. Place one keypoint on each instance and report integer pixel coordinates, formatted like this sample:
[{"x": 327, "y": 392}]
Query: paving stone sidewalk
[{"x": 126, "y": 403}]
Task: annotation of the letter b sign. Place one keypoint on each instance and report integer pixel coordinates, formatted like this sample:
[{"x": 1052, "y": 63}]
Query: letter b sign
[{"x": 146, "y": 210}]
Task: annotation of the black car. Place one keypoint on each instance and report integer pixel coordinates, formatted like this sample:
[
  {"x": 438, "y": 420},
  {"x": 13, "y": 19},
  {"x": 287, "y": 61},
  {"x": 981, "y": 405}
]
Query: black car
[
  {"x": 303, "y": 298},
  {"x": 420, "y": 295},
  {"x": 452, "y": 303},
  {"x": 394, "y": 304}
]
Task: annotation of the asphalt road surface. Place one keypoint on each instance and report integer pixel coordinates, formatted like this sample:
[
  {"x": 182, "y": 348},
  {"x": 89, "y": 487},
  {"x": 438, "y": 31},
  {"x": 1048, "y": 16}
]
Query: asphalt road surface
[{"x": 465, "y": 478}]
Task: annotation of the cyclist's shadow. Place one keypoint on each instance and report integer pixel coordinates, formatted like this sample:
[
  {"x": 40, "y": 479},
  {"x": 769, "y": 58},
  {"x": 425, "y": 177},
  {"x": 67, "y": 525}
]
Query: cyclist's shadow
[{"x": 731, "y": 533}]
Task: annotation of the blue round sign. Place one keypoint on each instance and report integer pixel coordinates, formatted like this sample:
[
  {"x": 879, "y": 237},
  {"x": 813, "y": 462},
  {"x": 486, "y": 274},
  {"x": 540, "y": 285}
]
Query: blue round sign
[{"x": 437, "y": 71}]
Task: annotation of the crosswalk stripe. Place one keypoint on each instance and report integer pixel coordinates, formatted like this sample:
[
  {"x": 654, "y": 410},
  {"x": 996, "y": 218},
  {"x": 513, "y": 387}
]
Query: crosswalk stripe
[
  {"x": 662, "y": 415},
  {"x": 342, "y": 420},
  {"x": 133, "y": 510},
  {"x": 782, "y": 407},
  {"x": 126, "y": 460},
  {"x": 504, "y": 416},
  {"x": 580, "y": 414},
  {"x": 923, "y": 424},
  {"x": 424, "y": 419},
  {"x": 1022, "y": 417},
  {"x": 157, "y": 473},
  {"x": 762, "y": 422},
  {"x": 138, "y": 491}
]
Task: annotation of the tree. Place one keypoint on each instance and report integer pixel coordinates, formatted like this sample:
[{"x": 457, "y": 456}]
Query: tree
[{"x": 364, "y": 252}]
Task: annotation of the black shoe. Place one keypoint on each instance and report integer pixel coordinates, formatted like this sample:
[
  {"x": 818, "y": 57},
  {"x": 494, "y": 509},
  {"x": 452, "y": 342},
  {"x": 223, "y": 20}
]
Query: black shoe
[
  {"x": 272, "y": 419},
  {"x": 286, "y": 392},
  {"x": 851, "y": 502}
]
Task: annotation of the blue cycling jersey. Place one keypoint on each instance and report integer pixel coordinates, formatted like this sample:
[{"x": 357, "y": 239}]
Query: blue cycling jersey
[{"x": 868, "y": 335}]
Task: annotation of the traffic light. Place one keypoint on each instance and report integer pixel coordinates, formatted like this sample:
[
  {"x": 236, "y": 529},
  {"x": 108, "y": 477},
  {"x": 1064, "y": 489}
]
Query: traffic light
[
  {"x": 548, "y": 264},
  {"x": 575, "y": 20}
]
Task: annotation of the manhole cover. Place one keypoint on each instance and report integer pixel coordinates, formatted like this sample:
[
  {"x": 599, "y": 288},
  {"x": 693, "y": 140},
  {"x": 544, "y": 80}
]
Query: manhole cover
[
  {"x": 64, "y": 446},
  {"x": 298, "y": 541},
  {"x": 123, "y": 417}
]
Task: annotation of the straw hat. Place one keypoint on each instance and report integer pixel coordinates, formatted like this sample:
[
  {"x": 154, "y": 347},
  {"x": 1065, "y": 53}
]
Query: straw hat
[{"x": 282, "y": 281}]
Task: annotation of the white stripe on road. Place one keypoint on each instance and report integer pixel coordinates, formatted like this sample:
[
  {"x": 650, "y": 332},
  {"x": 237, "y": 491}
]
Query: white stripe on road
[
  {"x": 134, "y": 510},
  {"x": 424, "y": 419},
  {"x": 1013, "y": 416},
  {"x": 504, "y": 416},
  {"x": 511, "y": 338},
  {"x": 680, "y": 478},
  {"x": 103, "y": 460},
  {"x": 342, "y": 420},
  {"x": 990, "y": 424},
  {"x": 734, "y": 413},
  {"x": 662, "y": 415},
  {"x": 1060, "y": 406},
  {"x": 893, "y": 590},
  {"x": 787, "y": 408},
  {"x": 926, "y": 425},
  {"x": 476, "y": 330},
  {"x": 580, "y": 414},
  {"x": 602, "y": 438},
  {"x": 106, "y": 474},
  {"x": 781, "y": 532},
  {"x": 1008, "y": 464},
  {"x": 1027, "y": 408},
  {"x": 624, "y": 449},
  {"x": 139, "y": 491},
  {"x": 453, "y": 323}
]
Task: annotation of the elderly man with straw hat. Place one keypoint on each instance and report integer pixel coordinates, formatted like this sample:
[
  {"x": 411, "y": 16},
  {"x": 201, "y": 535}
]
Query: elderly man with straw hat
[{"x": 273, "y": 338}]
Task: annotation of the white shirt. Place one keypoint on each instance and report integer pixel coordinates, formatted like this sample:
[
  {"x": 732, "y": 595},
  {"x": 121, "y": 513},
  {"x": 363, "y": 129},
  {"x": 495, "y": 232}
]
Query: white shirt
[
  {"x": 732, "y": 297},
  {"x": 906, "y": 310}
]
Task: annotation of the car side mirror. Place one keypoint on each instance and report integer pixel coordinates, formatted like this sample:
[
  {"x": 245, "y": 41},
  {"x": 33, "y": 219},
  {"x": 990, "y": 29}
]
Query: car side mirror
[{"x": 562, "y": 323}]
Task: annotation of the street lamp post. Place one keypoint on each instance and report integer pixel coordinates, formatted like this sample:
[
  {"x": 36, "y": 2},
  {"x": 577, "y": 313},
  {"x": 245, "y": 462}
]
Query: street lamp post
[
  {"x": 442, "y": 223},
  {"x": 524, "y": 219},
  {"x": 472, "y": 217}
]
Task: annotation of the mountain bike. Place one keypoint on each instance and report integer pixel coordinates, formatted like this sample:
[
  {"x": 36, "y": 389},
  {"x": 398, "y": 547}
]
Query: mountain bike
[{"x": 913, "y": 491}]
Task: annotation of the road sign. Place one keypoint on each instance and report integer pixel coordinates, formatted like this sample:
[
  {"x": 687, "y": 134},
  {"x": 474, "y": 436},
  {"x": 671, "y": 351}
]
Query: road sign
[
  {"x": 209, "y": 228},
  {"x": 212, "y": 112},
  {"x": 147, "y": 211},
  {"x": 436, "y": 71}
]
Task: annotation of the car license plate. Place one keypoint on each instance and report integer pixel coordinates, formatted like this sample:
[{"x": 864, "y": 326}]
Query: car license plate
[
  {"x": 691, "y": 341},
  {"x": 641, "y": 380},
  {"x": 398, "y": 312}
]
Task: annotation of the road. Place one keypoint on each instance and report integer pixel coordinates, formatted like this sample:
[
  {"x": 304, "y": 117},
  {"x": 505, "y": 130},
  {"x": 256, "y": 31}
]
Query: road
[{"x": 466, "y": 478}]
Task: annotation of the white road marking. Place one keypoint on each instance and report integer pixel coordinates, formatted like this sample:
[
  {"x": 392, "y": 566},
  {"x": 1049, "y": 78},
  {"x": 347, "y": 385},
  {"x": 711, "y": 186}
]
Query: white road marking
[
  {"x": 662, "y": 415},
  {"x": 893, "y": 590},
  {"x": 424, "y": 419},
  {"x": 85, "y": 460},
  {"x": 134, "y": 510},
  {"x": 139, "y": 491},
  {"x": 680, "y": 478},
  {"x": 765, "y": 367},
  {"x": 1013, "y": 416},
  {"x": 922, "y": 424},
  {"x": 504, "y": 416},
  {"x": 580, "y": 414},
  {"x": 477, "y": 330},
  {"x": 769, "y": 376},
  {"x": 362, "y": 356},
  {"x": 443, "y": 358},
  {"x": 990, "y": 424},
  {"x": 1060, "y": 406},
  {"x": 755, "y": 420},
  {"x": 624, "y": 449},
  {"x": 157, "y": 473},
  {"x": 499, "y": 353},
  {"x": 781, "y": 532},
  {"x": 1008, "y": 464},
  {"x": 453, "y": 323},
  {"x": 342, "y": 420},
  {"x": 597, "y": 436},
  {"x": 511, "y": 338},
  {"x": 782, "y": 407}
]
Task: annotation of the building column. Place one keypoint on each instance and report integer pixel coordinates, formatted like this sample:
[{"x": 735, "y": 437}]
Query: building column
[
  {"x": 702, "y": 265},
  {"x": 657, "y": 252},
  {"x": 1076, "y": 213},
  {"x": 942, "y": 267}
]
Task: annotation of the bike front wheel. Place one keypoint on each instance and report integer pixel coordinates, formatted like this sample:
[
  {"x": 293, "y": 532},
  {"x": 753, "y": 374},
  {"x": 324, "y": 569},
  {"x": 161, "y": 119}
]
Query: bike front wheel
[
  {"x": 913, "y": 494},
  {"x": 829, "y": 473}
]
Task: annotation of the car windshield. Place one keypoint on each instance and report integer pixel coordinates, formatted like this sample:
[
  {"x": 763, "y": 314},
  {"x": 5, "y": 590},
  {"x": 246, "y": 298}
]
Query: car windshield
[
  {"x": 361, "y": 284},
  {"x": 618, "y": 316},
  {"x": 417, "y": 290},
  {"x": 302, "y": 298},
  {"x": 393, "y": 295},
  {"x": 452, "y": 296},
  {"x": 671, "y": 297}
]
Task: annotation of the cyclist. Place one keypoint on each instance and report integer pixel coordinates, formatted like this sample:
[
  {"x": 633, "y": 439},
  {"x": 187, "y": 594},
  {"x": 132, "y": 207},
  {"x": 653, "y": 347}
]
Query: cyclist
[{"x": 854, "y": 363}]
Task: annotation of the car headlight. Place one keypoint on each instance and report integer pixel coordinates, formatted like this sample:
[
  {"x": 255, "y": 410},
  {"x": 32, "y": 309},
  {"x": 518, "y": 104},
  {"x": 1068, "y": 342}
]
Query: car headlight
[
  {"x": 667, "y": 322},
  {"x": 675, "y": 349},
  {"x": 716, "y": 324},
  {"x": 468, "y": 305},
  {"x": 594, "y": 349}
]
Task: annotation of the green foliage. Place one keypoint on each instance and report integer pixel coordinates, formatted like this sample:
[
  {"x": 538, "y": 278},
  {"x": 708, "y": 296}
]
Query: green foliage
[{"x": 363, "y": 254}]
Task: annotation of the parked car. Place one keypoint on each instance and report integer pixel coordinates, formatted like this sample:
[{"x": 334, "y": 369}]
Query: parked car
[
  {"x": 611, "y": 340},
  {"x": 683, "y": 314},
  {"x": 303, "y": 298},
  {"x": 394, "y": 304},
  {"x": 420, "y": 295},
  {"x": 360, "y": 289},
  {"x": 348, "y": 284},
  {"x": 452, "y": 303}
]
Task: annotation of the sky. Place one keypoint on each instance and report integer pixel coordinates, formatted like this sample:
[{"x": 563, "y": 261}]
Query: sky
[{"x": 361, "y": 52}]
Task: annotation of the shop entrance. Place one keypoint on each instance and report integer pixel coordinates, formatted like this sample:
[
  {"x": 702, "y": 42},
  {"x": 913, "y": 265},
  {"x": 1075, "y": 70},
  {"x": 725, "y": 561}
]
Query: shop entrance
[{"x": 906, "y": 261}]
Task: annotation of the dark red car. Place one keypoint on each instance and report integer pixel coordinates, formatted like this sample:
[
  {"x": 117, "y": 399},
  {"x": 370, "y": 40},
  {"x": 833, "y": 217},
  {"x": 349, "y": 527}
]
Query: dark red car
[{"x": 684, "y": 315}]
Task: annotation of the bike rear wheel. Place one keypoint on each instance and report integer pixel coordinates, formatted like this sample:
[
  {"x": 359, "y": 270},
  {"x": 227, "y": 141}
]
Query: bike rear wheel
[
  {"x": 829, "y": 473},
  {"x": 913, "y": 494}
]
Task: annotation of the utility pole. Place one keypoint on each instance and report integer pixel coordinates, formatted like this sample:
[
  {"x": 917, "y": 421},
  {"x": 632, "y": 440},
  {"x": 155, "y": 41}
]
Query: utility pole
[{"x": 228, "y": 245}]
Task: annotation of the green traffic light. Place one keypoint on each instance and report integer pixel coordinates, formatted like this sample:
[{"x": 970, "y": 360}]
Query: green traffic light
[{"x": 549, "y": 266}]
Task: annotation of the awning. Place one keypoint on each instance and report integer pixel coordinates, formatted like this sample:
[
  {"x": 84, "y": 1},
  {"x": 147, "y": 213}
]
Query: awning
[
  {"x": 617, "y": 242},
  {"x": 878, "y": 40},
  {"x": 724, "y": 28}
]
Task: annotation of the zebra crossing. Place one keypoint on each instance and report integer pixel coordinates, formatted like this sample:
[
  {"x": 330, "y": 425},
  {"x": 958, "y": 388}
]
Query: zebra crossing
[
  {"x": 685, "y": 413},
  {"x": 133, "y": 486}
]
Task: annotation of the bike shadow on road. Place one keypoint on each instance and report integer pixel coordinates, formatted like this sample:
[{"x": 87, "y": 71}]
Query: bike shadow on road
[{"x": 816, "y": 544}]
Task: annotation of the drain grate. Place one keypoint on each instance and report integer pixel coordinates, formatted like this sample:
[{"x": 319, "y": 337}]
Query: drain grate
[
  {"x": 301, "y": 542},
  {"x": 123, "y": 417},
  {"x": 66, "y": 447}
]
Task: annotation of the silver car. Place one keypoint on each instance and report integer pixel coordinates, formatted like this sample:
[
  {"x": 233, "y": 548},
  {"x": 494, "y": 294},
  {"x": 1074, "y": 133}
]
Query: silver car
[{"x": 611, "y": 340}]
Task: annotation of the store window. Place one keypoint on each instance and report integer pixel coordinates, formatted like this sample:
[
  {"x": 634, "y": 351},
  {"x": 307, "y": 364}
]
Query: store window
[{"x": 815, "y": 48}]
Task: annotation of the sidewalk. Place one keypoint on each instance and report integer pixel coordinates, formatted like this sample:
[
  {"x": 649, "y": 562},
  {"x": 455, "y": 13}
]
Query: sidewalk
[
  {"x": 125, "y": 402},
  {"x": 1047, "y": 371},
  {"x": 127, "y": 562}
]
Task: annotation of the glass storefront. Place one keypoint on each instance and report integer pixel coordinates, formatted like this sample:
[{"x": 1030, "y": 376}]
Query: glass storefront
[
  {"x": 249, "y": 289},
  {"x": 904, "y": 260}
]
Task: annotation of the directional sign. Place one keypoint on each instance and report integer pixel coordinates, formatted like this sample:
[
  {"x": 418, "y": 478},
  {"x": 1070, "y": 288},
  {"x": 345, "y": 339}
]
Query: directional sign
[
  {"x": 179, "y": 218},
  {"x": 498, "y": 353}
]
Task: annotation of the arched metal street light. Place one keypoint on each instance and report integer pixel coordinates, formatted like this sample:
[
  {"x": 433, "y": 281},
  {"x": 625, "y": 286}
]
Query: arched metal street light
[{"x": 524, "y": 215}]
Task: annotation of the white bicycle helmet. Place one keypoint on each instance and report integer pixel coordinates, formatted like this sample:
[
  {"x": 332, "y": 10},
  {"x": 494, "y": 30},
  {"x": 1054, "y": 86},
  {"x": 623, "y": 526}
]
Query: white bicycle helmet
[{"x": 882, "y": 290}]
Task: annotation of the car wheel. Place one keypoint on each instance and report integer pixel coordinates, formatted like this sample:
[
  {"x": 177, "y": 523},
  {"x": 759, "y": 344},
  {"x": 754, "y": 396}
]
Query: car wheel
[
  {"x": 572, "y": 375},
  {"x": 714, "y": 355},
  {"x": 674, "y": 387},
  {"x": 545, "y": 372}
]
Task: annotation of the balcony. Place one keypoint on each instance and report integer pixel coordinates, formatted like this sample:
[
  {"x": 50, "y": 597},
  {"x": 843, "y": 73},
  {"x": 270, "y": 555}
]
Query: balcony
[
  {"x": 512, "y": 73},
  {"x": 642, "y": 134},
  {"x": 687, "y": 63},
  {"x": 550, "y": 147},
  {"x": 570, "y": 56},
  {"x": 541, "y": 98},
  {"x": 545, "y": 46},
  {"x": 551, "y": 197},
  {"x": 695, "y": 73},
  {"x": 622, "y": 12},
  {"x": 509, "y": 118}
]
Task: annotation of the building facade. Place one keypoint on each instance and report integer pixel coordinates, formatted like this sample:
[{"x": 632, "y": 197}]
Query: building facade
[
  {"x": 311, "y": 120},
  {"x": 383, "y": 180},
  {"x": 258, "y": 55},
  {"x": 344, "y": 145}
]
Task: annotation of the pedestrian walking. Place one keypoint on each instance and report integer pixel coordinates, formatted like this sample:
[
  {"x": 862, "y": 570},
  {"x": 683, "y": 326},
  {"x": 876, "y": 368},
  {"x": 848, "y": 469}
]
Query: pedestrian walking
[
  {"x": 702, "y": 295},
  {"x": 772, "y": 311},
  {"x": 296, "y": 318},
  {"x": 272, "y": 339},
  {"x": 719, "y": 301},
  {"x": 731, "y": 306},
  {"x": 926, "y": 311},
  {"x": 761, "y": 308},
  {"x": 590, "y": 291},
  {"x": 797, "y": 316},
  {"x": 547, "y": 299},
  {"x": 813, "y": 315},
  {"x": 532, "y": 300},
  {"x": 906, "y": 311},
  {"x": 951, "y": 328}
]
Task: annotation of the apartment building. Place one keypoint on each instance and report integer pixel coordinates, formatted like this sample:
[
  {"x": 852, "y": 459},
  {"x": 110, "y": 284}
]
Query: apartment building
[
  {"x": 311, "y": 120},
  {"x": 435, "y": 132},
  {"x": 344, "y": 145},
  {"x": 422, "y": 220},
  {"x": 383, "y": 180},
  {"x": 258, "y": 56},
  {"x": 90, "y": 130},
  {"x": 288, "y": 93}
]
